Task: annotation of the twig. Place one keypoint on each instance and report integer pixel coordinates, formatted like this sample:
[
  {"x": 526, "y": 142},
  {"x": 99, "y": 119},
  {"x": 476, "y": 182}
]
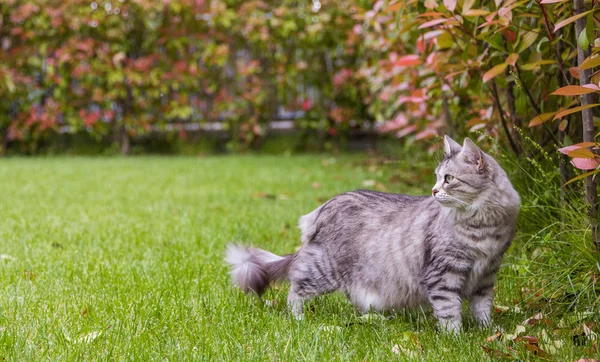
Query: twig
[
  {"x": 502, "y": 119},
  {"x": 561, "y": 65},
  {"x": 534, "y": 105}
]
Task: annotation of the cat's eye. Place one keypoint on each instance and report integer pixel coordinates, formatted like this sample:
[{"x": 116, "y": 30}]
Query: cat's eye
[{"x": 448, "y": 178}]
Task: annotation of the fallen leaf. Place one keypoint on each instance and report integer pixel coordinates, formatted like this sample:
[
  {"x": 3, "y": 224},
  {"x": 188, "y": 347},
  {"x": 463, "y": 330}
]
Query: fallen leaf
[
  {"x": 493, "y": 337},
  {"x": 90, "y": 337},
  {"x": 331, "y": 328},
  {"x": 533, "y": 320},
  {"x": 381, "y": 187},
  {"x": 371, "y": 317},
  {"x": 264, "y": 195},
  {"x": 408, "y": 345},
  {"x": 368, "y": 183},
  {"x": 316, "y": 185},
  {"x": 550, "y": 345},
  {"x": 28, "y": 274},
  {"x": 270, "y": 303},
  {"x": 518, "y": 330}
]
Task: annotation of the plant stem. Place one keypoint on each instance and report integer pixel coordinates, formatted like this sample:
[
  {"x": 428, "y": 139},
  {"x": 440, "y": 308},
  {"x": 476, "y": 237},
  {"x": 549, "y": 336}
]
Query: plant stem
[{"x": 501, "y": 112}]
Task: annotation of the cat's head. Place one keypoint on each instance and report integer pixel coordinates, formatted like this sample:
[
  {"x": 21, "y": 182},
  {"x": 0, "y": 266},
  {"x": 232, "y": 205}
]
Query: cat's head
[{"x": 465, "y": 175}]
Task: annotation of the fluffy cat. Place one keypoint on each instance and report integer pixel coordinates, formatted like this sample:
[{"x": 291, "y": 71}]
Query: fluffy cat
[{"x": 388, "y": 251}]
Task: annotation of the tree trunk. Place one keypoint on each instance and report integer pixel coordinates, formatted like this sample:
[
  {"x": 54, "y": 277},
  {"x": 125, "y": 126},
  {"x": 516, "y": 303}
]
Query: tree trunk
[
  {"x": 591, "y": 191},
  {"x": 124, "y": 141},
  {"x": 4, "y": 145}
]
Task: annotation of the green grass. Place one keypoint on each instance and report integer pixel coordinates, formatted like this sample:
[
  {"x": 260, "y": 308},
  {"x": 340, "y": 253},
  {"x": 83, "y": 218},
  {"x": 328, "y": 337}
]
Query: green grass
[{"x": 133, "y": 248}]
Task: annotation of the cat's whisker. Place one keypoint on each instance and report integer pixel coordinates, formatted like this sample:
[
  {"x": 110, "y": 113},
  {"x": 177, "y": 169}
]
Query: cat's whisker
[{"x": 459, "y": 200}]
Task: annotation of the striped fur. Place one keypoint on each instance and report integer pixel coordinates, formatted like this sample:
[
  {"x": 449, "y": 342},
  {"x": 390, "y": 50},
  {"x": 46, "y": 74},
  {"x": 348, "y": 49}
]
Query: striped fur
[{"x": 388, "y": 251}]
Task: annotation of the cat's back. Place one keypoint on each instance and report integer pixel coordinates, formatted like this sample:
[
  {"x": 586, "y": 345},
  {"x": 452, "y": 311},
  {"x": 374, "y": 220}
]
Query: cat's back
[{"x": 352, "y": 211}]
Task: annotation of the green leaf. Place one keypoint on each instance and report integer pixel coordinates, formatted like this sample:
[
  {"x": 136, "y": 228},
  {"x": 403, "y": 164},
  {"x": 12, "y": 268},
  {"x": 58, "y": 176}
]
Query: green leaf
[
  {"x": 445, "y": 41},
  {"x": 528, "y": 38},
  {"x": 582, "y": 40},
  {"x": 589, "y": 28}
]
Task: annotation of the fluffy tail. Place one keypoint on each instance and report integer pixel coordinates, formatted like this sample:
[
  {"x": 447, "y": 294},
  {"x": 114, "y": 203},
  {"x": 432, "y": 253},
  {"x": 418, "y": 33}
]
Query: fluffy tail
[{"x": 254, "y": 269}]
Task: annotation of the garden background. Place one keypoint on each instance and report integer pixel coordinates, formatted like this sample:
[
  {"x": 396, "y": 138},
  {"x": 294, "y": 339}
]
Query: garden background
[{"x": 307, "y": 81}]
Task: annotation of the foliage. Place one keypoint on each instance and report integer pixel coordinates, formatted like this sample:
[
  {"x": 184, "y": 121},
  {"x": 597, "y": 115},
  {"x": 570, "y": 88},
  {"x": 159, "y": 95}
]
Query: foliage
[
  {"x": 474, "y": 65},
  {"x": 123, "y": 68}
]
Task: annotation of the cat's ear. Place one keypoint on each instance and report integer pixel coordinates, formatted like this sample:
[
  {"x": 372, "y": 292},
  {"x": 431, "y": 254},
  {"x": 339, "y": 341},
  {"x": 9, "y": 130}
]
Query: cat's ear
[
  {"x": 451, "y": 146},
  {"x": 474, "y": 155}
]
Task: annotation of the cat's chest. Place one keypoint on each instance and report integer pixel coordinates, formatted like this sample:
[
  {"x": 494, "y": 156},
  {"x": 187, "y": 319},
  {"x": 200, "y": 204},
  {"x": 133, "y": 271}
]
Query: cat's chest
[{"x": 484, "y": 241}]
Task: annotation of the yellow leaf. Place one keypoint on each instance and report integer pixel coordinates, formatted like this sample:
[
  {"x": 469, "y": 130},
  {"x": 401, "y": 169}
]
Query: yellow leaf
[
  {"x": 537, "y": 120},
  {"x": 590, "y": 63},
  {"x": 571, "y": 19},
  {"x": 476, "y": 12},
  {"x": 561, "y": 114},
  {"x": 395, "y": 7},
  {"x": 572, "y": 90},
  {"x": 512, "y": 59},
  {"x": 496, "y": 70}
]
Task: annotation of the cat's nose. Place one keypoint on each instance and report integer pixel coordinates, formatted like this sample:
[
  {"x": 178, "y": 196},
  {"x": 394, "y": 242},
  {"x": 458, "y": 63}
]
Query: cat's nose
[{"x": 434, "y": 191}]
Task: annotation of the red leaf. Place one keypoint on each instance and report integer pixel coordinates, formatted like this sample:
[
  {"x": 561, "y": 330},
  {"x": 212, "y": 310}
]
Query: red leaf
[
  {"x": 574, "y": 72},
  {"x": 408, "y": 60},
  {"x": 306, "y": 105},
  {"x": 407, "y": 130},
  {"x": 584, "y": 163},
  {"x": 431, "y": 23},
  {"x": 509, "y": 35}
]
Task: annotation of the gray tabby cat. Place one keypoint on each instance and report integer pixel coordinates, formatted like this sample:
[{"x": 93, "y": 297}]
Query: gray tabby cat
[{"x": 387, "y": 251}]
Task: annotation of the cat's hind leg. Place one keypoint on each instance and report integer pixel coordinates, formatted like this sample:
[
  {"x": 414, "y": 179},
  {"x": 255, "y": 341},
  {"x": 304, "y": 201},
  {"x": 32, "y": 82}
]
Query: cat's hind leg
[{"x": 312, "y": 274}]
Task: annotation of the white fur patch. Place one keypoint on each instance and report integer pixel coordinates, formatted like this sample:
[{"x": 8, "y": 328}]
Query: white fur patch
[
  {"x": 241, "y": 265},
  {"x": 306, "y": 224},
  {"x": 365, "y": 299}
]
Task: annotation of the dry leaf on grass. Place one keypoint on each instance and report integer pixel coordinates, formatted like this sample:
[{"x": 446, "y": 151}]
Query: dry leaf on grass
[
  {"x": 408, "y": 345},
  {"x": 331, "y": 328},
  {"x": 372, "y": 317}
]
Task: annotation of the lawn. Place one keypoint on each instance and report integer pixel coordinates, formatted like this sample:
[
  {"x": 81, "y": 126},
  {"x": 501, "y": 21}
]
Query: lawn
[{"x": 121, "y": 259}]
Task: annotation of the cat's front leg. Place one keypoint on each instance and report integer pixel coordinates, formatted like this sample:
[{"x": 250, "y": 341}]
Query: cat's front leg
[
  {"x": 444, "y": 294},
  {"x": 447, "y": 309},
  {"x": 482, "y": 300}
]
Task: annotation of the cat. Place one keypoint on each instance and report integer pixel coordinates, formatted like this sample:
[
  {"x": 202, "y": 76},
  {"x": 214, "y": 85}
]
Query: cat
[{"x": 388, "y": 251}]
